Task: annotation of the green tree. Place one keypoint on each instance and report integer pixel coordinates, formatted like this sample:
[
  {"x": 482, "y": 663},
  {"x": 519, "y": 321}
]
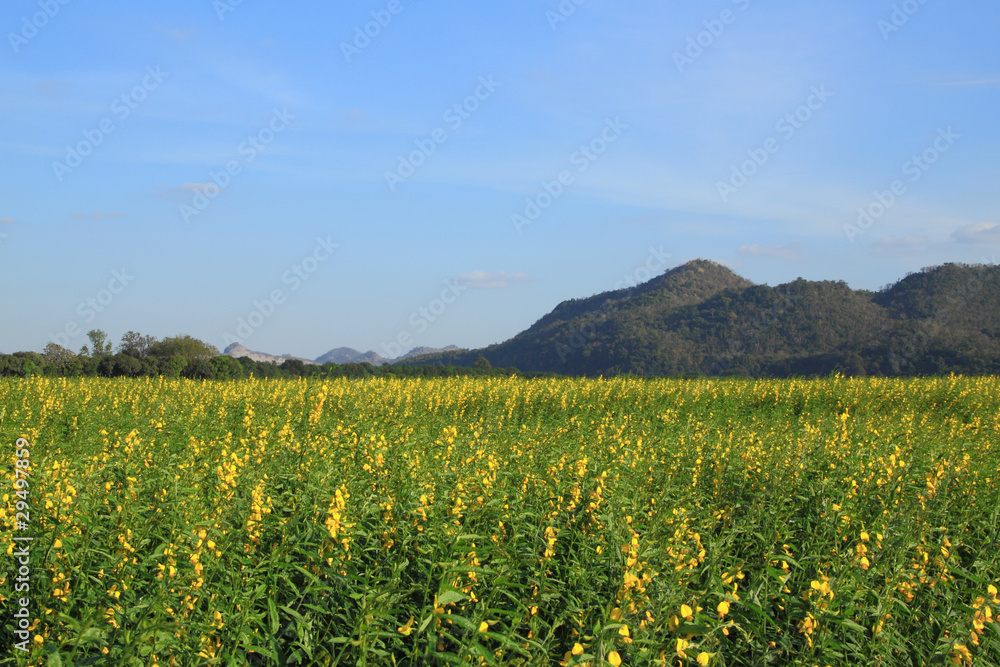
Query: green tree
[
  {"x": 199, "y": 369},
  {"x": 99, "y": 343},
  {"x": 227, "y": 368},
  {"x": 185, "y": 346},
  {"x": 136, "y": 345},
  {"x": 171, "y": 366},
  {"x": 57, "y": 355}
]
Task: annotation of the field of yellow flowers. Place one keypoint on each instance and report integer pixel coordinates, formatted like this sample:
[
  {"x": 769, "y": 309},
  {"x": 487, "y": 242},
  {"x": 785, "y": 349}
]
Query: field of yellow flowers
[{"x": 504, "y": 521}]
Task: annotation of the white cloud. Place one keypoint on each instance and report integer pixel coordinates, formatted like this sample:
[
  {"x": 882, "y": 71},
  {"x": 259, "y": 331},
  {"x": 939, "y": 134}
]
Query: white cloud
[
  {"x": 892, "y": 245},
  {"x": 97, "y": 215},
  {"x": 491, "y": 280},
  {"x": 984, "y": 232},
  {"x": 788, "y": 252},
  {"x": 185, "y": 191},
  {"x": 972, "y": 82},
  {"x": 355, "y": 116}
]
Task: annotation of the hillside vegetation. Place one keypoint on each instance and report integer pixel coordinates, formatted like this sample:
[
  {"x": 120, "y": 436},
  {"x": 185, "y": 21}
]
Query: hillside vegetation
[{"x": 702, "y": 319}]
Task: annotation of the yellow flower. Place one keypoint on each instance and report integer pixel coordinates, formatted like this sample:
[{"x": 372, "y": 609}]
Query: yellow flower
[
  {"x": 823, "y": 587},
  {"x": 614, "y": 658},
  {"x": 723, "y": 608},
  {"x": 577, "y": 649},
  {"x": 623, "y": 631},
  {"x": 405, "y": 630},
  {"x": 703, "y": 659},
  {"x": 961, "y": 655},
  {"x": 57, "y": 544},
  {"x": 484, "y": 626},
  {"x": 686, "y": 612}
]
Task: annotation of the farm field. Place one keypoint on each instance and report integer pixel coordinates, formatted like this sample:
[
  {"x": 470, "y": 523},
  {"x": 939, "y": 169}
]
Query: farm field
[{"x": 504, "y": 521}]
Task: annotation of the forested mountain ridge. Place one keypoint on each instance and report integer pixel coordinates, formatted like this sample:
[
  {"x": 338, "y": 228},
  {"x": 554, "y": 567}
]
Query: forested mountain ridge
[{"x": 702, "y": 319}]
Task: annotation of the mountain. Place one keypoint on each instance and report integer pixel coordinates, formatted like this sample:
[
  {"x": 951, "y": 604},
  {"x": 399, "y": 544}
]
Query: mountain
[
  {"x": 347, "y": 355},
  {"x": 702, "y": 319},
  {"x": 236, "y": 351},
  {"x": 340, "y": 355},
  {"x": 424, "y": 351}
]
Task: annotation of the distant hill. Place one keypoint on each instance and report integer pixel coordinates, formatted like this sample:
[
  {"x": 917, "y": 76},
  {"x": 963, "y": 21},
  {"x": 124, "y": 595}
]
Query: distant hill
[
  {"x": 340, "y": 355},
  {"x": 423, "y": 351},
  {"x": 236, "y": 351},
  {"x": 347, "y": 355},
  {"x": 702, "y": 319}
]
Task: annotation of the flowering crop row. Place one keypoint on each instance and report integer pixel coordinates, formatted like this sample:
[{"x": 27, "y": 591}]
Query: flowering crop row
[{"x": 508, "y": 521}]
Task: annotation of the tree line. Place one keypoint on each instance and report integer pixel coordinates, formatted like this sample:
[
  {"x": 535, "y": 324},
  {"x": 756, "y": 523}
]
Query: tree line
[{"x": 139, "y": 355}]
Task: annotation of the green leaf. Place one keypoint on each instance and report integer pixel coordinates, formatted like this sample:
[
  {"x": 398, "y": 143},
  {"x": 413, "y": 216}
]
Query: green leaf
[{"x": 450, "y": 596}]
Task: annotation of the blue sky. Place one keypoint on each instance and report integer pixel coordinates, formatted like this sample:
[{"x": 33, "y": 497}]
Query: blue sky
[{"x": 269, "y": 173}]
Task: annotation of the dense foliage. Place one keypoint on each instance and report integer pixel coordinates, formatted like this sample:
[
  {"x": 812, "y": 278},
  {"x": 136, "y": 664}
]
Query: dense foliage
[
  {"x": 507, "y": 521},
  {"x": 222, "y": 367},
  {"x": 702, "y": 319}
]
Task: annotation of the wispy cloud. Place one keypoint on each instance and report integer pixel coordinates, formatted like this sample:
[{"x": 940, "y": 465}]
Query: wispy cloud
[
  {"x": 892, "y": 245},
  {"x": 355, "y": 116},
  {"x": 984, "y": 232},
  {"x": 491, "y": 280},
  {"x": 185, "y": 191},
  {"x": 972, "y": 82},
  {"x": 788, "y": 252},
  {"x": 179, "y": 36},
  {"x": 97, "y": 215},
  {"x": 8, "y": 221}
]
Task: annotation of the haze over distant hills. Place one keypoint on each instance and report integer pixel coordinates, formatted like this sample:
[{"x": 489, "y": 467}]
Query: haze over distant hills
[{"x": 340, "y": 355}]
